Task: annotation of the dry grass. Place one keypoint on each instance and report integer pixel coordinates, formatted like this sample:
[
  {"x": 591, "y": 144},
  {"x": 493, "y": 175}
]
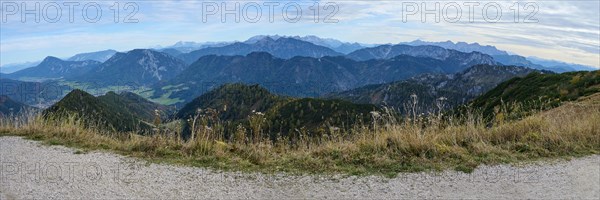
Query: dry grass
[{"x": 570, "y": 130}]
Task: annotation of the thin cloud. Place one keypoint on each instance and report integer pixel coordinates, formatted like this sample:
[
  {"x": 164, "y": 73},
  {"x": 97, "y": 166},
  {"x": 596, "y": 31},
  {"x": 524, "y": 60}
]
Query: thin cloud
[{"x": 567, "y": 30}]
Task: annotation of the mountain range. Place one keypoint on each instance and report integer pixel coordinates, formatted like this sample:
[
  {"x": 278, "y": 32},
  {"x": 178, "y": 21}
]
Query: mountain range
[
  {"x": 301, "y": 76},
  {"x": 336, "y": 45},
  {"x": 430, "y": 89},
  {"x": 457, "y": 58},
  {"x": 99, "y": 56},
  {"x": 183, "y": 50},
  {"x": 505, "y": 57},
  {"x": 460, "y": 46},
  {"x": 235, "y": 104},
  {"x": 281, "y": 48},
  {"x": 186, "y": 47},
  {"x": 560, "y": 66},
  {"x": 289, "y": 85},
  {"x": 286, "y": 65},
  {"x": 54, "y": 68},
  {"x": 232, "y": 105},
  {"x": 138, "y": 67}
]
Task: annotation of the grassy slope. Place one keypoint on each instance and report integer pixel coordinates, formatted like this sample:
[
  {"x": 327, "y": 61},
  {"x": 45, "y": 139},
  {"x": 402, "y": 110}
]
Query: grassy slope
[
  {"x": 519, "y": 96},
  {"x": 126, "y": 112},
  {"x": 569, "y": 130}
]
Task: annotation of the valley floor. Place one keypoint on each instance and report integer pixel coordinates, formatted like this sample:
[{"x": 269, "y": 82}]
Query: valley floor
[{"x": 30, "y": 170}]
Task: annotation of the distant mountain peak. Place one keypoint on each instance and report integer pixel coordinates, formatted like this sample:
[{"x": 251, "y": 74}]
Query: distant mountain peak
[
  {"x": 138, "y": 66},
  {"x": 53, "y": 67},
  {"x": 182, "y": 43},
  {"x": 188, "y": 46},
  {"x": 267, "y": 40},
  {"x": 258, "y": 38},
  {"x": 78, "y": 92},
  {"x": 51, "y": 59},
  {"x": 99, "y": 56},
  {"x": 144, "y": 51}
]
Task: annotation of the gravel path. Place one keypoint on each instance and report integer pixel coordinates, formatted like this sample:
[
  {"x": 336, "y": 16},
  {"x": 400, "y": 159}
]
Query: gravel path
[{"x": 33, "y": 171}]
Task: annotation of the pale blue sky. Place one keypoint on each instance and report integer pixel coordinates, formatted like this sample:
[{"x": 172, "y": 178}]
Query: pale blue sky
[{"x": 567, "y": 31}]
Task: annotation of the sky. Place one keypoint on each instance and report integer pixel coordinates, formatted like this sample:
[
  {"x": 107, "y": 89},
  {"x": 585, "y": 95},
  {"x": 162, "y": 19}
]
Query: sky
[{"x": 561, "y": 30}]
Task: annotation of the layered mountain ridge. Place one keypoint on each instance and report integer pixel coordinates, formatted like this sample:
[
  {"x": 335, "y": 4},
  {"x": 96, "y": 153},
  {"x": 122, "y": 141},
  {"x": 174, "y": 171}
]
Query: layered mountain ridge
[
  {"x": 300, "y": 76},
  {"x": 429, "y": 90},
  {"x": 54, "y": 68},
  {"x": 281, "y": 48},
  {"x": 139, "y": 67}
]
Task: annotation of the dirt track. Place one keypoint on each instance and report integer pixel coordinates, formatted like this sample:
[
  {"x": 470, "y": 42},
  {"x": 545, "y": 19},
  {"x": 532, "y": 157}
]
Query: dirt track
[{"x": 31, "y": 170}]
